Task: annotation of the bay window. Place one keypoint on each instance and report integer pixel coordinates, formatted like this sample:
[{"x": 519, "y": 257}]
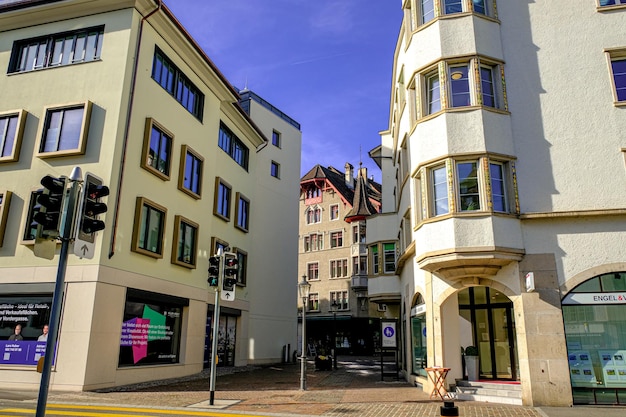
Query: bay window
[{"x": 483, "y": 184}]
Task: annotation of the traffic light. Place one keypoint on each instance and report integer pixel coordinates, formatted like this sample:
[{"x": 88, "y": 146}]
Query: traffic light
[
  {"x": 91, "y": 207},
  {"x": 49, "y": 207},
  {"x": 230, "y": 271},
  {"x": 214, "y": 271}
]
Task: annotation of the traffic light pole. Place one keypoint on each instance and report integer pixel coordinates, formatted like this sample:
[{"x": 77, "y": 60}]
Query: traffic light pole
[
  {"x": 57, "y": 299},
  {"x": 215, "y": 324}
]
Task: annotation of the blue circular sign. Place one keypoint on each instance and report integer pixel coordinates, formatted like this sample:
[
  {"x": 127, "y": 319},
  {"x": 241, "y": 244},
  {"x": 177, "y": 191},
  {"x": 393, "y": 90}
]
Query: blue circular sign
[{"x": 388, "y": 331}]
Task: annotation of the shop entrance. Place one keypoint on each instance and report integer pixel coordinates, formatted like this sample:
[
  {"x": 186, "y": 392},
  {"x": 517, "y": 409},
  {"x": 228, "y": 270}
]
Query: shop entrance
[{"x": 489, "y": 314}]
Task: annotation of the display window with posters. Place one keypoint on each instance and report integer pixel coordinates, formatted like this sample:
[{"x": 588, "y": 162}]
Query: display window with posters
[
  {"x": 151, "y": 329},
  {"x": 23, "y": 328},
  {"x": 595, "y": 331}
]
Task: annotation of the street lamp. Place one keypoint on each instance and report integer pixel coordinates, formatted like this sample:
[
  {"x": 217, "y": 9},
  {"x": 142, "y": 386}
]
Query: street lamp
[
  {"x": 303, "y": 289},
  {"x": 333, "y": 307}
]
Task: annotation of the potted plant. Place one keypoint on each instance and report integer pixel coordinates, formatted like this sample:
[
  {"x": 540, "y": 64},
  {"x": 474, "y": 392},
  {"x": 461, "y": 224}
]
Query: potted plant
[{"x": 471, "y": 363}]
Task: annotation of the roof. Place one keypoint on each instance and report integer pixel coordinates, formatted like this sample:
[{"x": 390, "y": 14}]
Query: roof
[{"x": 359, "y": 196}]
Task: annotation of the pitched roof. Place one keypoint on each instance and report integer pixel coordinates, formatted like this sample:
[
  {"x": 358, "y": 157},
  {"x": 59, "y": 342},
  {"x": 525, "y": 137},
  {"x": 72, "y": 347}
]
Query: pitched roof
[
  {"x": 362, "y": 207},
  {"x": 358, "y": 196}
]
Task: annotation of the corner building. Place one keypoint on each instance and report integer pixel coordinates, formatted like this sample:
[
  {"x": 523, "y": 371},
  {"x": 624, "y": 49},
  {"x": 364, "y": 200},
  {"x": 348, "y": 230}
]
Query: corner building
[
  {"x": 506, "y": 133},
  {"x": 120, "y": 89}
]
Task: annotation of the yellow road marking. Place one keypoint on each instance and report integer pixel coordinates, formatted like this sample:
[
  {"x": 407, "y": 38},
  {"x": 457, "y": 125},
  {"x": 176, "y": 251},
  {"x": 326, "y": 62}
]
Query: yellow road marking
[
  {"x": 73, "y": 413},
  {"x": 58, "y": 410}
]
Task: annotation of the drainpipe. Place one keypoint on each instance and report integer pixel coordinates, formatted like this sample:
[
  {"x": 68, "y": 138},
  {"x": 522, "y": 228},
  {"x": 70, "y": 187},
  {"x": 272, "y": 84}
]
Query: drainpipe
[{"x": 127, "y": 128}]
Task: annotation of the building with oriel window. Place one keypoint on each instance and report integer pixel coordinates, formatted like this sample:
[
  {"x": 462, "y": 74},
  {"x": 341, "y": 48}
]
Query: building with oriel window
[
  {"x": 120, "y": 89},
  {"x": 503, "y": 175},
  {"x": 334, "y": 211}
]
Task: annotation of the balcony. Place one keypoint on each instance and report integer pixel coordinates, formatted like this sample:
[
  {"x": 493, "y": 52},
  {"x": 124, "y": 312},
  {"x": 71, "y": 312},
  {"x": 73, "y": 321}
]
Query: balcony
[{"x": 359, "y": 283}]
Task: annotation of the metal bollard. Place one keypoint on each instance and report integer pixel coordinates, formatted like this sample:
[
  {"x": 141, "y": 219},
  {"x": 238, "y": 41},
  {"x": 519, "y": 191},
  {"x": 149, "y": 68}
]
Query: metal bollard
[{"x": 449, "y": 409}]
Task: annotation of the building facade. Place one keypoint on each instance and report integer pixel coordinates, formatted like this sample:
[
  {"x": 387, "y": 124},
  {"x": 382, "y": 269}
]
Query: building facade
[
  {"x": 501, "y": 169},
  {"x": 121, "y": 90},
  {"x": 334, "y": 208}
]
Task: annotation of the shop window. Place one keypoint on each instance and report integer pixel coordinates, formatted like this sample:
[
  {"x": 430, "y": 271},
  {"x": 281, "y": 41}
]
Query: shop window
[
  {"x": 151, "y": 329},
  {"x": 594, "y": 330}
]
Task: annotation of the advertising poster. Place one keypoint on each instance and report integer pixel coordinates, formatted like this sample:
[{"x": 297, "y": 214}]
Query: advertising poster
[
  {"x": 150, "y": 331},
  {"x": 22, "y": 319},
  {"x": 581, "y": 369},
  {"x": 613, "y": 367}
]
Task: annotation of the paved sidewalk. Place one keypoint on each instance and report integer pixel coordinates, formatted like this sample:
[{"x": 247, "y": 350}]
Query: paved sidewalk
[{"x": 355, "y": 389}]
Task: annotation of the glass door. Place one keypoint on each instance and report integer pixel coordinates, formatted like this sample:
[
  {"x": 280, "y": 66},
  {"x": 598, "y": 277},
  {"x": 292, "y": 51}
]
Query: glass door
[{"x": 491, "y": 315}]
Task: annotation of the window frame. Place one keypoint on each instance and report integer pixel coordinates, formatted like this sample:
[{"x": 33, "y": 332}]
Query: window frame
[
  {"x": 438, "y": 95},
  {"x": 433, "y": 190},
  {"x": 49, "y": 44},
  {"x": 275, "y": 169},
  {"x": 313, "y": 303},
  {"x": 242, "y": 267},
  {"x": 5, "y": 205},
  {"x": 83, "y": 131},
  {"x": 276, "y": 138},
  {"x": 487, "y": 187},
  {"x": 386, "y": 263},
  {"x": 16, "y": 145},
  {"x": 220, "y": 200},
  {"x": 333, "y": 210},
  {"x": 617, "y": 89},
  {"x": 343, "y": 305},
  {"x": 152, "y": 124},
  {"x": 615, "y": 4},
  {"x": 184, "y": 151},
  {"x": 338, "y": 268},
  {"x": 375, "y": 259},
  {"x": 137, "y": 227},
  {"x": 29, "y": 233},
  {"x": 179, "y": 86},
  {"x": 240, "y": 198},
  {"x": 233, "y": 146},
  {"x": 178, "y": 222},
  {"x": 336, "y": 239},
  {"x": 478, "y": 180},
  {"x": 313, "y": 268}
]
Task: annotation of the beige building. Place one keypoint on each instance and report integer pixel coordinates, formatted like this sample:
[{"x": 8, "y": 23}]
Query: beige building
[
  {"x": 334, "y": 208},
  {"x": 121, "y": 90},
  {"x": 503, "y": 165}
]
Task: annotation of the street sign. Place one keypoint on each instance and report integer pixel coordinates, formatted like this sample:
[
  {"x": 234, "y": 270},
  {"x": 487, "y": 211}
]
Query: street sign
[
  {"x": 228, "y": 295},
  {"x": 389, "y": 334}
]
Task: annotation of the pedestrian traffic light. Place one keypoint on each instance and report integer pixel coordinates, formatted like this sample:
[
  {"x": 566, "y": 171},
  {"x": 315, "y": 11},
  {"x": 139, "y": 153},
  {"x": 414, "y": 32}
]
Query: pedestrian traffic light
[
  {"x": 92, "y": 205},
  {"x": 49, "y": 207},
  {"x": 230, "y": 271},
  {"x": 214, "y": 271}
]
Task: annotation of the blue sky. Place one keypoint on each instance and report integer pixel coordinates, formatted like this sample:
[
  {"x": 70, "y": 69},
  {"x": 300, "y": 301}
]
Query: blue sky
[{"x": 325, "y": 63}]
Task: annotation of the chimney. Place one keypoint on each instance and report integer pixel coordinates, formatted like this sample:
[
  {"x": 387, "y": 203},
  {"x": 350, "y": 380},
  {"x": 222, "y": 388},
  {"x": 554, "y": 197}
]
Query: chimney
[{"x": 349, "y": 175}]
